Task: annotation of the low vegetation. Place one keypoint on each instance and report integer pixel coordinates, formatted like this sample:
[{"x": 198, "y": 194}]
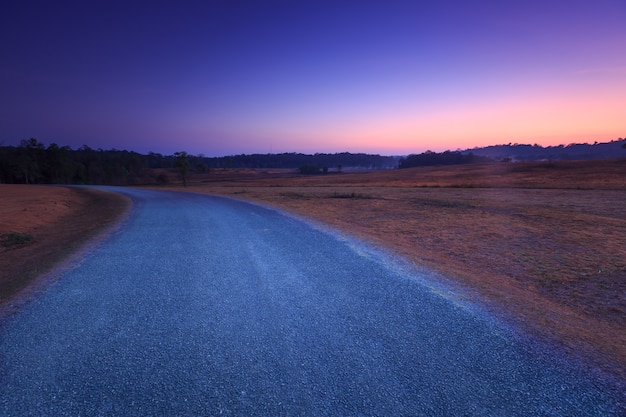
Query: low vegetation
[
  {"x": 15, "y": 239},
  {"x": 351, "y": 195}
]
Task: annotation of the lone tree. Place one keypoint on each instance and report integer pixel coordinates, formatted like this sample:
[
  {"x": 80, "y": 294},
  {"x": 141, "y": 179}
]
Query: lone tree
[{"x": 182, "y": 163}]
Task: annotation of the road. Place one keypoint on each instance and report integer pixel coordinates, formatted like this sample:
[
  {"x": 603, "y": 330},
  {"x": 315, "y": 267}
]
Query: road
[{"x": 204, "y": 306}]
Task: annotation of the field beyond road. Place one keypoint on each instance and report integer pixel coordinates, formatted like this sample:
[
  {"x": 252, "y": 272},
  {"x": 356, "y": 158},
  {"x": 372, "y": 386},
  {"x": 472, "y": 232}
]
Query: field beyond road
[{"x": 544, "y": 244}]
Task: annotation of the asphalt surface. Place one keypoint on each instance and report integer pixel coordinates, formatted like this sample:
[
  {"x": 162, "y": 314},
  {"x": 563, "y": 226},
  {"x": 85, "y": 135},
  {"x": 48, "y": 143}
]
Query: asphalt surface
[{"x": 202, "y": 306}]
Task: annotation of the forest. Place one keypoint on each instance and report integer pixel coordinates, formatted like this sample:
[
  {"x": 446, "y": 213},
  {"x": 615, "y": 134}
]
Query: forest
[
  {"x": 430, "y": 158},
  {"x": 32, "y": 162}
]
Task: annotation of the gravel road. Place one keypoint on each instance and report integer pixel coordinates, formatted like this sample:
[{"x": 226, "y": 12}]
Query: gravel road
[{"x": 202, "y": 306}]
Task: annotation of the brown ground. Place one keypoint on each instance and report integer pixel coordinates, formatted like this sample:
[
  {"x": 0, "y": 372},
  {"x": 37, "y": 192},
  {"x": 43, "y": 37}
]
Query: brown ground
[
  {"x": 59, "y": 220},
  {"x": 543, "y": 244}
]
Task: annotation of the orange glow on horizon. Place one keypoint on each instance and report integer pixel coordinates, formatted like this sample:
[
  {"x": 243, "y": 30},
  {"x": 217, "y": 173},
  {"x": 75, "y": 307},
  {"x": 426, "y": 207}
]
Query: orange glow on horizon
[{"x": 546, "y": 120}]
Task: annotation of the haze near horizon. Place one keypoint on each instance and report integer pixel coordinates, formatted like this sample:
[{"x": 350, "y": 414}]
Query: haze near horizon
[{"x": 393, "y": 78}]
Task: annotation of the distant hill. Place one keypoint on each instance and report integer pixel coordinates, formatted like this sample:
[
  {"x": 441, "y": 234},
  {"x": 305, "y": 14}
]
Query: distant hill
[{"x": 575, "y": 151}]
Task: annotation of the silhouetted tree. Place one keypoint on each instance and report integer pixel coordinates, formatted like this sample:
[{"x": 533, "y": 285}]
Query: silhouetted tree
[
  {"x": 182, "y": 163},
  {"x": 60, "y": 167},
  {"x": 31, "y": 157}
]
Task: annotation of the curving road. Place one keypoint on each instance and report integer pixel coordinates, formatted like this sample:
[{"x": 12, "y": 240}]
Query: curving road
[{"x": 204, "y": 306}]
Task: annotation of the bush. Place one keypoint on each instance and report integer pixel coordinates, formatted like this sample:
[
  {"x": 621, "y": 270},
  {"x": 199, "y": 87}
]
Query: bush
[
  {"x": 16, "y": 239},
  {"x": 312, "y": 169},
  {"x": 351, "y": 196}
]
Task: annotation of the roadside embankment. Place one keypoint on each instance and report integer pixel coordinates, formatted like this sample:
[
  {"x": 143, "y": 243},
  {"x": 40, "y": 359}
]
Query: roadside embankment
[{"x": 40, "y": 226}]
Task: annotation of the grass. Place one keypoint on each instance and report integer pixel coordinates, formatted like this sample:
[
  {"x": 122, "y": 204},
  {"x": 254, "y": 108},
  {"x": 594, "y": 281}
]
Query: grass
[{"x": 543, "y": 245}]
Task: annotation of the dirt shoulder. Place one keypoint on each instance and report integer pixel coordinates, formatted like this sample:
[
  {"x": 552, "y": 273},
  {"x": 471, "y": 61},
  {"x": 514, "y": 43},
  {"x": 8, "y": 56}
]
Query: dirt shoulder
[{"x": 40, "y": 226}]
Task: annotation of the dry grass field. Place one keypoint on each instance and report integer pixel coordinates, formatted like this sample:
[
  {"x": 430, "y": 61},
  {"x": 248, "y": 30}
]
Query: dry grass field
[{"x": 544, "y": 244}]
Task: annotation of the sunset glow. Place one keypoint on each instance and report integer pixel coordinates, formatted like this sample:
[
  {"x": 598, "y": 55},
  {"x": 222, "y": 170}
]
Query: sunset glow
[{"x": 245, "y": 77}]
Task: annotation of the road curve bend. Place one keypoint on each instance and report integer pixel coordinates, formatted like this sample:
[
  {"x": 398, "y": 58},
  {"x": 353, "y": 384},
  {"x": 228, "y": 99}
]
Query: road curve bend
[{"x": 203, "y": 306}]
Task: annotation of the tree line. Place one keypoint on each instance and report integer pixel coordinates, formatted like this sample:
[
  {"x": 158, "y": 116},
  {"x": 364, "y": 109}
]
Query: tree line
[
  {"x": 430, "y": 158},
  {"x": 32, "y": 162},
  {"x": 294, "y": 160},
  {"x": 573, "y": 151}
]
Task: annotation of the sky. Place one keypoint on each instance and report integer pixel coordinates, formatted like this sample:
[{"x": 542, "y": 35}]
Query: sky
[{"x": 388, "y": 77}]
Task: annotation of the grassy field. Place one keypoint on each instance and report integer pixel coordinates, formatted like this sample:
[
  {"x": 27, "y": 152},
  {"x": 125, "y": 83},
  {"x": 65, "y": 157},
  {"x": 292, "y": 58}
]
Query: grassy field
[{"x": 544, "y": 244}]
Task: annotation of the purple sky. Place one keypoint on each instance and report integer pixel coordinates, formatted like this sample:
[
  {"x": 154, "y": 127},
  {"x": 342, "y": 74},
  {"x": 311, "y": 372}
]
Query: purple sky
[{"x": 389, "y": 77}]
